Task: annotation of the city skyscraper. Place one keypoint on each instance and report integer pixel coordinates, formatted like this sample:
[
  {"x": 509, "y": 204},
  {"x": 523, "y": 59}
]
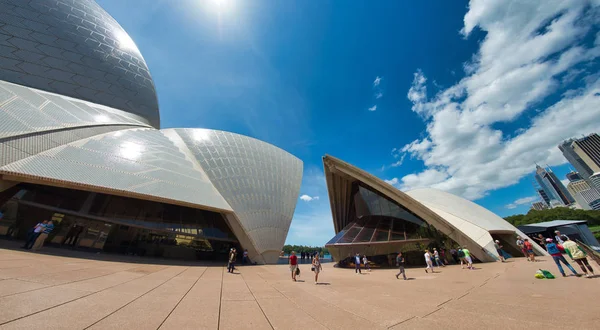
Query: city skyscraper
[
  {"x": 543, "y": 196},
  {"x": 539, "y": 206},
  {"x": 552, "y": 186},
  {"x": 586, "y": 196},
  {"x": 588, "y": 149},
  {"x": 574, "y": 176},
  {"x": 574, "y": 159}
]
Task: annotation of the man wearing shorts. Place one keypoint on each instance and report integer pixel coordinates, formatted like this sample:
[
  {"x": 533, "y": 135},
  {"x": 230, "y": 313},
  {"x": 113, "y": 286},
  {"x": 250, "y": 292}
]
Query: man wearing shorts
[
  {"x": 293, "y": 265},
  {"x": 468, "y": 258}
]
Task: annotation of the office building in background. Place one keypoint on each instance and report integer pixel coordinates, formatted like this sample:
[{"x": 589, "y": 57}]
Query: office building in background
[
  {"x": 539, "y": 206},
  {"x": 553, "y": 187},
  {"x": 574, "y": 159},
  {"x": 573, "y": 176},
  {"x": 586, "y": 196}
]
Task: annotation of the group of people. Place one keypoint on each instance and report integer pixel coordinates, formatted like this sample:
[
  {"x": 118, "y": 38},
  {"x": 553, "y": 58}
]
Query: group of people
[
  {"x": 232, "y": 257},
  {"x": 461, "y": 254},
  {"x": 358, "y": 261},
  {"x": 308, "y": 255},
  {"x": 38, "y": 234},
  {"x": 316, "y": 266},
  {"x": 556, "y": 247}
]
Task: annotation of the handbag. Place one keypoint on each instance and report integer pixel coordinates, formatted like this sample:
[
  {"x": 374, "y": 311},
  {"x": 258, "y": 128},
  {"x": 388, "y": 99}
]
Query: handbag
[
  {"x": 312, "y": 269},
  {"x": 297, "y": 271}
]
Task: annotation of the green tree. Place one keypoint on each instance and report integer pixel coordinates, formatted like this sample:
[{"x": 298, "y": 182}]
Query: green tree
[{"x": 559, "y": 213}]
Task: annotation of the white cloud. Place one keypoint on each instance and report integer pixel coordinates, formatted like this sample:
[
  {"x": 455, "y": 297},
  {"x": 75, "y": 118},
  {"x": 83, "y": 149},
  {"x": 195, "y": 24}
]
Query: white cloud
[
  {"x": 312, "y": 223},
  {"x": 565, "y": 182},
  {"x": 377, "y": 81},
  {"x": 522, "y": 201},
  {"x": 399, "y": 161},
  {"x": 307, "y": 198},
  {"x": 373, "y": 108},
  {"x": 393, "y": 181},
  {"x": 528, "y": 49},
  {"x": 378, "y": 95}
]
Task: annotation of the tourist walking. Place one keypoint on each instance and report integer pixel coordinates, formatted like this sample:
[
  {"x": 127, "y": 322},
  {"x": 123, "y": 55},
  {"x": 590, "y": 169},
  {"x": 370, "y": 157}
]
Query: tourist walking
[
  {"x": 357, "y": 264},
  {"x": 499, "y": 250},
  {"x": 34, "y": 233},
  {"x": 559, "y": 237},
  {"x": 436, "y": 256},
  {"x": 461, "y": 257},
  {"x": 231, "y": 260},
  {"x": 245, "y": 259},
  {"x": 578, "y": 254},
  {"x": 39, "y": 242},
  {"x": 541, "y": 240},
  {"x": 400, "y": 265},
  {"x": 521, "y": 245},
  {"x": 468, "y": 258},
  {"x": 293, "y": 265},
  {"x": 558, "y": 257},
  {"x": 316, "y": 267},
  {"x": 366, "y": 262},
  {"x": 454, "y": 255},
  {"x": 529, "y": 249},
  {"x": 428, "y": 261}
]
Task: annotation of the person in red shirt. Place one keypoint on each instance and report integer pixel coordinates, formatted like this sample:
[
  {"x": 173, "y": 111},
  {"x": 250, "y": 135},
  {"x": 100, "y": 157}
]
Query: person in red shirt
[
  {"x": 293, "y": 265},
  {"x": 529, "y": 248}
]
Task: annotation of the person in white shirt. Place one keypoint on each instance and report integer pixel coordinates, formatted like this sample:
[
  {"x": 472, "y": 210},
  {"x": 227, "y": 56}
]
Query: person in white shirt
[
  {"x": 558, "y": 237},
  {"x": 366, "y": 262},
  {"x": 34, "y": 233},
  {"x": 428, "y": 262}
]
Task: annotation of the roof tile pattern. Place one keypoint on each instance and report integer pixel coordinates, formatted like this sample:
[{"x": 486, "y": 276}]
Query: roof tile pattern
[{"x": 75, "y": 48}]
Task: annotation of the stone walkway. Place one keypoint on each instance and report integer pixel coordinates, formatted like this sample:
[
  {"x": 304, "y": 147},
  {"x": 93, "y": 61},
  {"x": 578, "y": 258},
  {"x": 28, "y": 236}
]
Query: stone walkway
[{"x": 76, "y": 290}]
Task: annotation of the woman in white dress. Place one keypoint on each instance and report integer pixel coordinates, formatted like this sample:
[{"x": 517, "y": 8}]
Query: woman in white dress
[{"x": 316, "y": 267}]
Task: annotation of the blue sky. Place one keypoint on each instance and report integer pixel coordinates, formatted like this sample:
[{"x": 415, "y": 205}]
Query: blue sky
[{"x": 464, "y": 97}]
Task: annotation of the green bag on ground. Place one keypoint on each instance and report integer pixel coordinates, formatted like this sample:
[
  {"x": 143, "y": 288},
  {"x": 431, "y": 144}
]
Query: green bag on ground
[{"x": 547, "y": 274}]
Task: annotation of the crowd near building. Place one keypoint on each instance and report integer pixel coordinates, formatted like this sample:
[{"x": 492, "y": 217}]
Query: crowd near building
[
  {"x": 81, "y": 148},
  {"x": 583, "y": 188}
]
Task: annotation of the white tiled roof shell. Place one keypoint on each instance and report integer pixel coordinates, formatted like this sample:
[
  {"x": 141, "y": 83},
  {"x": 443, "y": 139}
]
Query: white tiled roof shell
[{"x": 260, "y": 182}]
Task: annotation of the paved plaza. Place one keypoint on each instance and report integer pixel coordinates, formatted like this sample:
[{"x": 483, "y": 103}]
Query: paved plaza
[{"x": 59, "y": 289}]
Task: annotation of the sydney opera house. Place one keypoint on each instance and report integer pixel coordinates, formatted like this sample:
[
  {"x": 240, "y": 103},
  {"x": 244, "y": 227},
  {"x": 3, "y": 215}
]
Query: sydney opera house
[
  {"x": 374, "y": 218},
  {"x": 80, "y": 143}
]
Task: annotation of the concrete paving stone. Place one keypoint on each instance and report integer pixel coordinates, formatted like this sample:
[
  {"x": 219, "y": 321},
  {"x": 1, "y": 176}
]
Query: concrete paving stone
[
  {"x": 23, "y": 304},
  {"x": 242, "y": 315},
  {"x": 148, "y": 282},
  {"x": 150, "y": 310},
  {"x": 77, "y": 314},
  {"x": 144, "y": 293},
  {"x": 284, "y": 314},
  {"x": 333, "y": 317},
  {"x": 103, "y": 282},
  {"x": 199, "y": 309},
  {"x": 474, "y": 319},
  {"x": 67, "y": 276},
  {"x": 12, "y": 286}
]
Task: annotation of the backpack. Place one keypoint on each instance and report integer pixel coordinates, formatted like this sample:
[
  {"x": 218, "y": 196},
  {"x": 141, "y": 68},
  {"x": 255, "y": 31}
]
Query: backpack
[{"x": 461, "y": 254}]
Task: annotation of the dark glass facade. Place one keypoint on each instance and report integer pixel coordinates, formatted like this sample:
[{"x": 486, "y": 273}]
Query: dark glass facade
[
  {"x": 117, "y": 224},
  {"x": 378, "y": 226}
]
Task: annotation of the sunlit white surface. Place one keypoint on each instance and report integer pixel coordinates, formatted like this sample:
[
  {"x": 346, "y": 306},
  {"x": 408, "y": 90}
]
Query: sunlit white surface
[
  {"x": 101, "y": 119},
  {"x": 131, "y": 150},
  {"x": 125, "y": 41},
  {"x": 201, "y": 135}
]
